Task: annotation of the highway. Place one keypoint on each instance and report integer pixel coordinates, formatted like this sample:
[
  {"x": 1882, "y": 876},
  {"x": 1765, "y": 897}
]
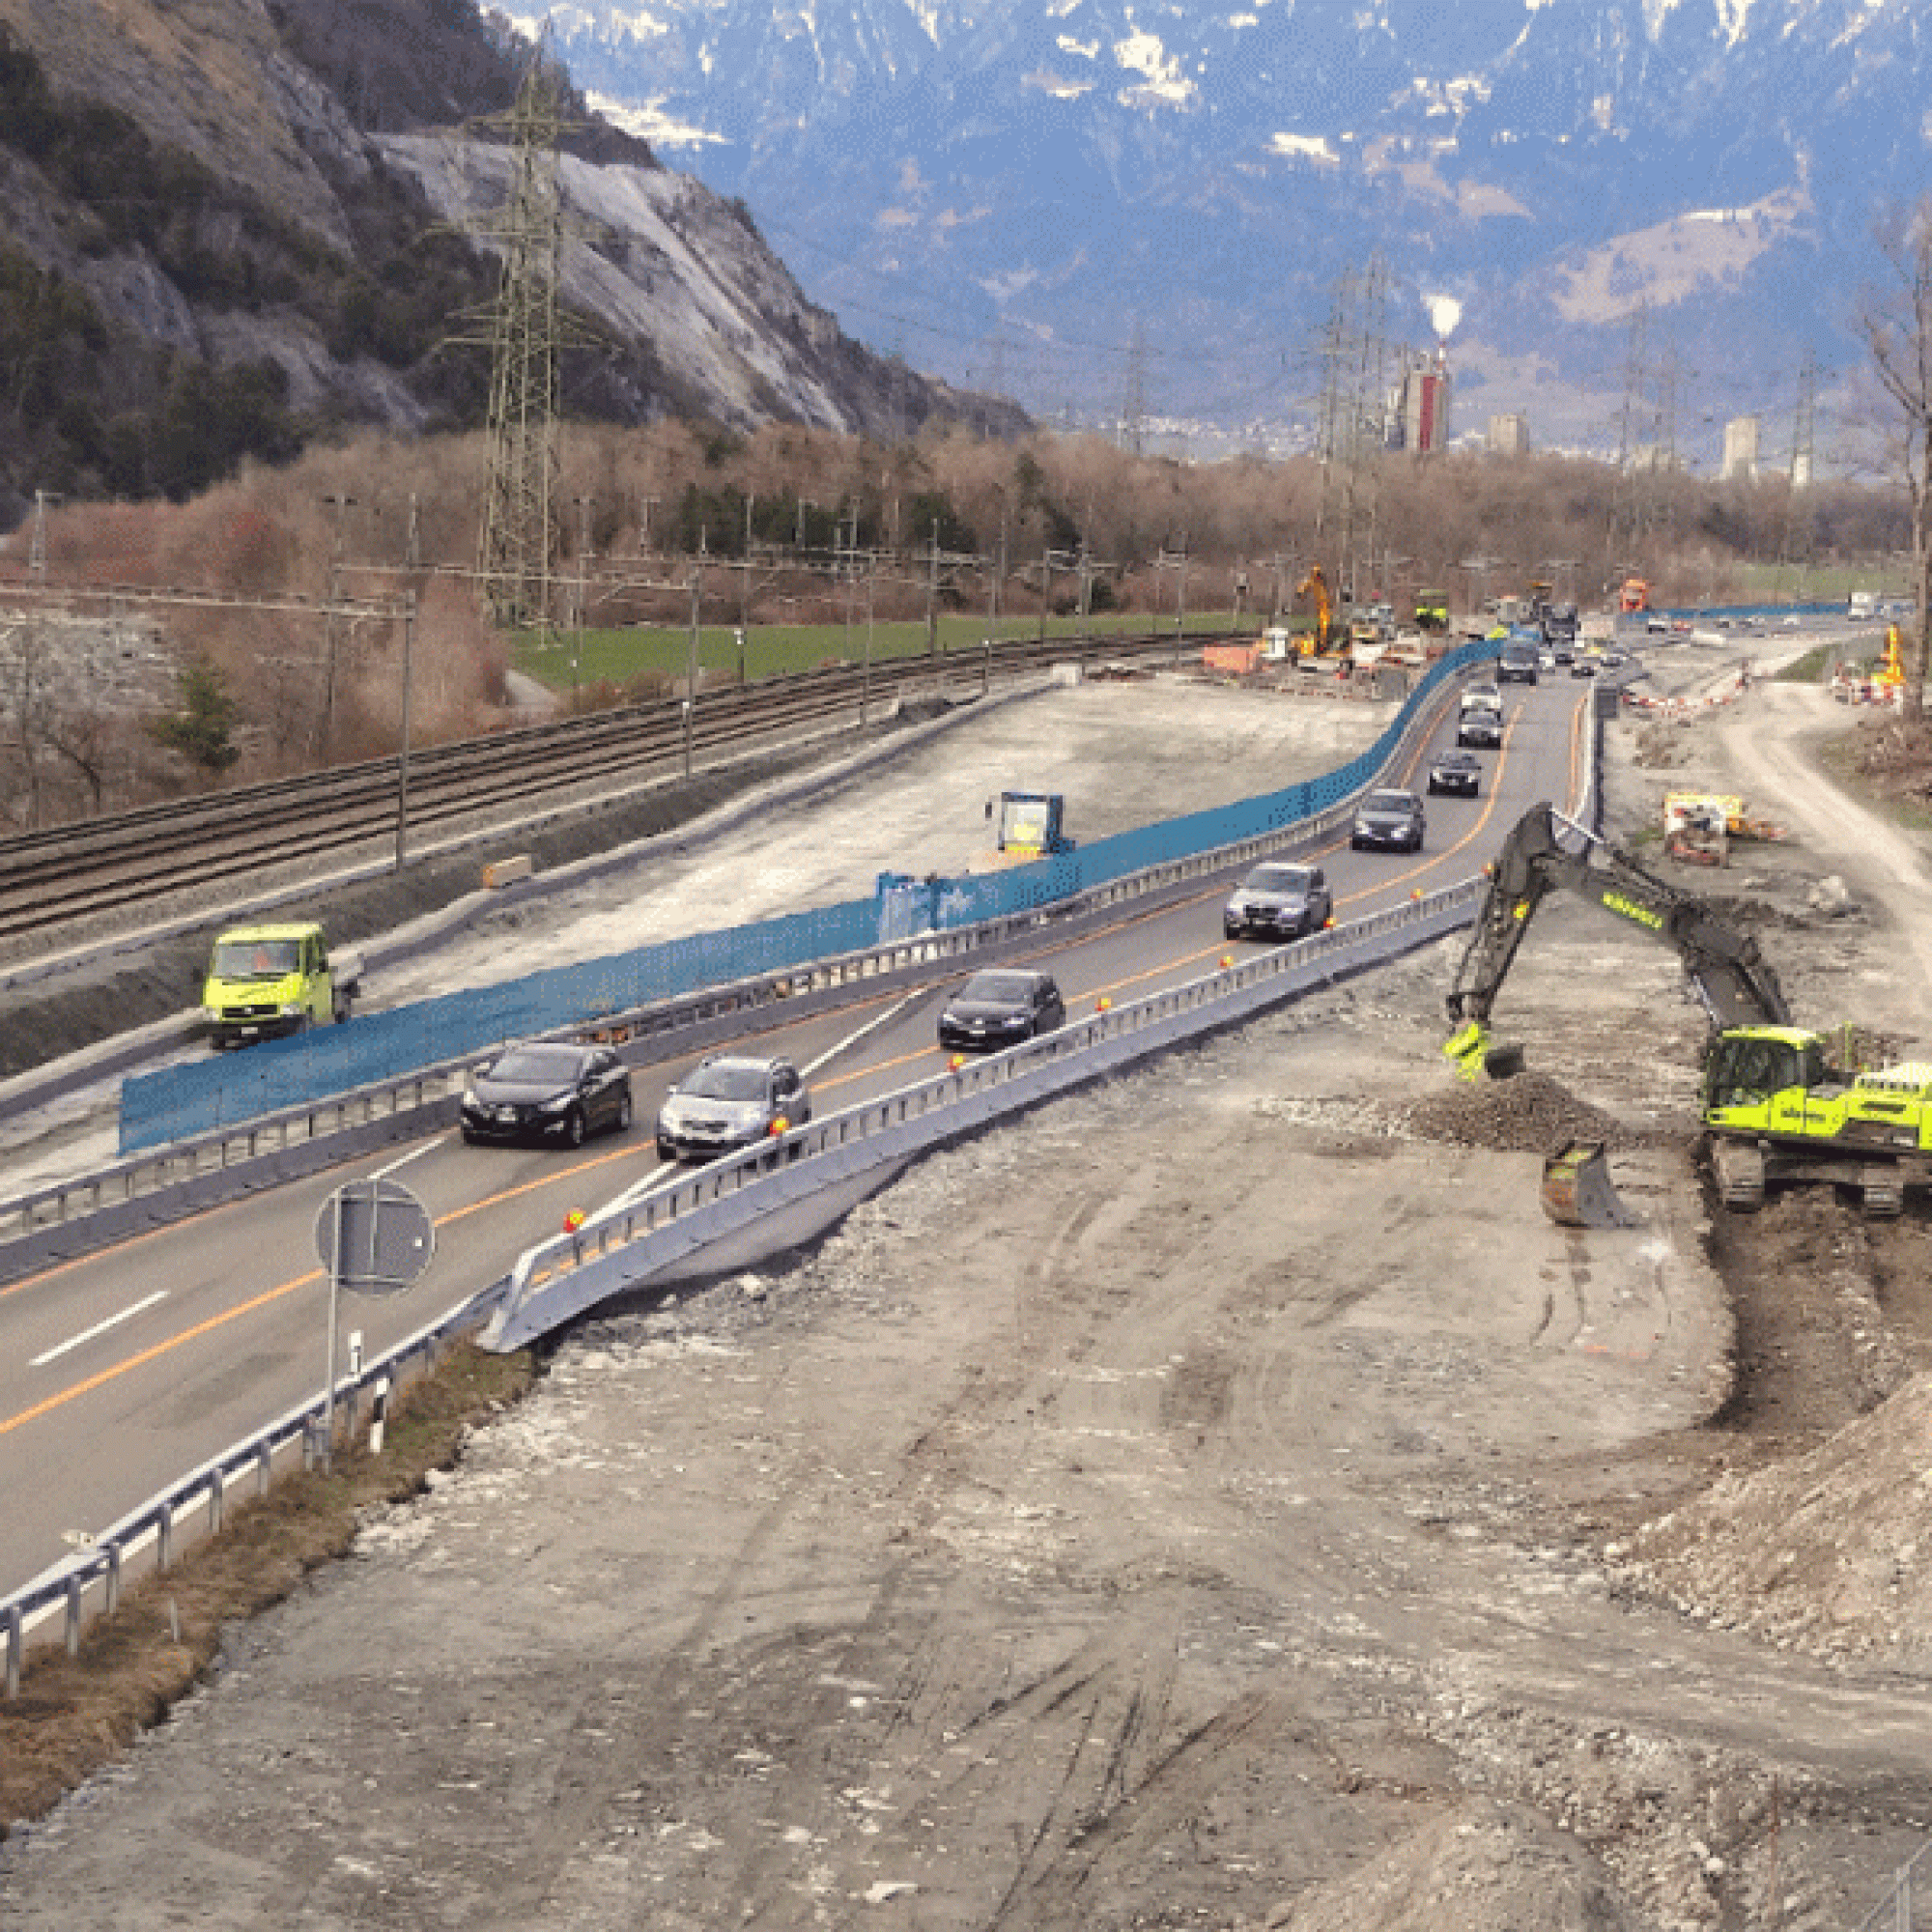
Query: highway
[{"x": 125, "y": 1369}]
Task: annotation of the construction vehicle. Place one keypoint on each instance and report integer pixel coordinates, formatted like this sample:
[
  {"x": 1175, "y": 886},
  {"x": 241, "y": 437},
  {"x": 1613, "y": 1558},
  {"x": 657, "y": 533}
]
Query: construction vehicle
[
  {"x": 1632, "y": 594},
  {"x": 1031, "y": 826},
  {"x": 1431, "y": 611},
  {"x": 266, "y": 980},
  {"x": 1774, "y": 1109},
  {"x": 1325, "y": 639}
]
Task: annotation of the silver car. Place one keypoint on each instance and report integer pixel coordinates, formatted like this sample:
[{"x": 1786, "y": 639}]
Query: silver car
[{"x": 727, "y": 1102}]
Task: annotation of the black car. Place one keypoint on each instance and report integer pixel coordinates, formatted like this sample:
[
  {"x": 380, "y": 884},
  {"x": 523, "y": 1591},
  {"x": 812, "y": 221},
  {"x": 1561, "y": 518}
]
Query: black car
[
  {"x": 1482, "y": 729},
  {"x": 1455, "y": 771},
  {"x": 1390, "y": 821},
  {"x": 1583, "y": 667},
  {"x": 1516, "y": 665},
  {"x": 547, "y": 1090},
  {"x": 1279, "y": 901},
  {"x": 729, "y": 1101},
  {"x": 1001, "y": 1007}
]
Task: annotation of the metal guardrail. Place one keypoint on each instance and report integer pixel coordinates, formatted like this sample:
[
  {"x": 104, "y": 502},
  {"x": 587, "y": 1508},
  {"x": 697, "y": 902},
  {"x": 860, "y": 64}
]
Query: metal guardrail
[
  {"x": 1899, "y": 1909},
  {"x": 64, "y": 1219},
  {"x": 834, "y": 1160},
  {"x": 721, "y": 1197},
  {"x": 665, "y": 1236},
  {"x": 91, "y": 1579}
]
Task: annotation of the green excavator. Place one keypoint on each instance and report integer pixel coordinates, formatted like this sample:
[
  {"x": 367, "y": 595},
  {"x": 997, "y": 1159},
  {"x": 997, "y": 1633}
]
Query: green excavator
[{"x": 1776, "y": 1110}]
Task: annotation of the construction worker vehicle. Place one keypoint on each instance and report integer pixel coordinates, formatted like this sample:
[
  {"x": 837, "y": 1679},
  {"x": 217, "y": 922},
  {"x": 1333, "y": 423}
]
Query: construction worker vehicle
[
  {"x": 1431, "y": 610},
  {"x": 1031, "y": 825},
  {"x": 1774, "y": 1109},
  {"x": 266, "y": 980}
]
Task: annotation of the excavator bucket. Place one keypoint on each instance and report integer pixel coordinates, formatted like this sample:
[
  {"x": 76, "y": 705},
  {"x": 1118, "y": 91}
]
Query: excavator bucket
[
  {"x": 1476, "y": 1054},
  {"x": 1577, "y": 1189}
]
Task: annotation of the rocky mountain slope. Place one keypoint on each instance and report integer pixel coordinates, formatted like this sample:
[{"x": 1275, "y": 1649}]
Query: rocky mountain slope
[
  {"x": 229, "y": 225},
  {"x": 1078, "y": 179}
]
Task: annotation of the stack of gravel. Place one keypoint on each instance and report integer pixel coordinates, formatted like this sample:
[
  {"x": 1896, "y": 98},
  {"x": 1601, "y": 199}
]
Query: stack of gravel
[{"x": 1530, "y": 1113}]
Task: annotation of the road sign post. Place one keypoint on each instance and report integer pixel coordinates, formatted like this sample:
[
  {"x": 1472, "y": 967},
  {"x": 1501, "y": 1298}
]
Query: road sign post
[{"x": 374, "y": 1237}]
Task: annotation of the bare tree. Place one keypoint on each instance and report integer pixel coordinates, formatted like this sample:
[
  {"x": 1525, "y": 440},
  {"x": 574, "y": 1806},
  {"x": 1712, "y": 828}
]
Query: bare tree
[{"x": 1897, "y": 319}]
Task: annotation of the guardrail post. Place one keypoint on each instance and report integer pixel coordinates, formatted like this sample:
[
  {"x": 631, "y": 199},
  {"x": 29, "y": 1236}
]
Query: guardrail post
[
  {"x": 265, "y": 1457},
  {"x": 75, "y": 1585},
  {"x": 13, "y": 1651},
  {"x": 164, "y": 1536},
  {"x": 113, "y": 1603},
  {"x": 217, "y": 1495}
]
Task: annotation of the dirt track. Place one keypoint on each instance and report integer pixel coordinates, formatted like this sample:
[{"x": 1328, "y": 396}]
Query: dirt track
[{"x": 1221, "y": 1500}]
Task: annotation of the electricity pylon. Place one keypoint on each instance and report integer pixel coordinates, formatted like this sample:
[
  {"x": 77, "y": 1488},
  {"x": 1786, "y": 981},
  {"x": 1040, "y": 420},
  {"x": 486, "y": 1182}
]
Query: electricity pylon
[{"x": 516, "y": 543}]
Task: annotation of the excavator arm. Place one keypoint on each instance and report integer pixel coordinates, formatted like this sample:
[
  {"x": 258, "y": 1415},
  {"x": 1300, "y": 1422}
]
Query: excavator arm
[
  {"x": 1732, "y": 979},
  {"x": 1315, "y": 585}
]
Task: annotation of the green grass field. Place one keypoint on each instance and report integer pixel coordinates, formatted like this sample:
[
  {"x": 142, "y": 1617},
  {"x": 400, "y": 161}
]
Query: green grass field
[
  {"x": 1833, "y": 584},
  {"x": 649, "y": 654}
]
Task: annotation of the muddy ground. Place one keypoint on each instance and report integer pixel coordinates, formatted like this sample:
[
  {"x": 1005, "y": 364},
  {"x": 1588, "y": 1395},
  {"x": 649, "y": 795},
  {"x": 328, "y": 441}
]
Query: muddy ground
[{"x": 1221, "y": 1499}]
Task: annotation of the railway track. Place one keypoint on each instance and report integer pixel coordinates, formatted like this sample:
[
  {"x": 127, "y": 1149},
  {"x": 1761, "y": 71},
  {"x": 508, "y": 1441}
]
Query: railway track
[{"x": 121, "y": 862}]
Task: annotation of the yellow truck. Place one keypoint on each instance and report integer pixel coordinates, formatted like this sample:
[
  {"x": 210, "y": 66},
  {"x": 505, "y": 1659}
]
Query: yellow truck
[{"x": 266, "y": 980}]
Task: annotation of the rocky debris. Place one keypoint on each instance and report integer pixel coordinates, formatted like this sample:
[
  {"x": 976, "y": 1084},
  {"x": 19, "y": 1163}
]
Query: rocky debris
[
  {"x": 1831, "y": 899},
  {"x": 1495, "y": 1865},
  {"x": 1529, "y": 1114},
  {"x": 1830, "y": 1552}
]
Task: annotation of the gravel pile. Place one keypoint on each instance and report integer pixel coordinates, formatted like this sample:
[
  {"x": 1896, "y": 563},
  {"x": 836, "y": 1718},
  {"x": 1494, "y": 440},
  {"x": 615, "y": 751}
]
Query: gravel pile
[
  {"x": 1830, "y": 1552},
  {"x": 1530, "y": 1113}
]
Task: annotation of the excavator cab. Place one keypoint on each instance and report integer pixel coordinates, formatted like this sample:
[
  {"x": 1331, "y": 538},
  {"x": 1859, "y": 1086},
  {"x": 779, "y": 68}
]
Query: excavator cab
[{"x": 1748, "y": 1066}]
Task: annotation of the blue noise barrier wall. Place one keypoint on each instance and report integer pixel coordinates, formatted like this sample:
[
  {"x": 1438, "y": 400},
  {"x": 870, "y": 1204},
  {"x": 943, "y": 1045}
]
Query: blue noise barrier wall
[{"x": 201, "y": 1097}]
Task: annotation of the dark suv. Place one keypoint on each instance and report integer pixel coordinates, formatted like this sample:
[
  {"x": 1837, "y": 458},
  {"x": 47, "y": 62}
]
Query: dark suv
[
  {"x": 1517, "y": 664},
  {"x": 1389, "y": 822}
]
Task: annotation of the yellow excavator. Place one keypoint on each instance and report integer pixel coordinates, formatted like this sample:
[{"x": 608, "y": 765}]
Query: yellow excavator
[
  {"x": 1774, "y": 1109},
  {"x": 1325, "y": 640}
]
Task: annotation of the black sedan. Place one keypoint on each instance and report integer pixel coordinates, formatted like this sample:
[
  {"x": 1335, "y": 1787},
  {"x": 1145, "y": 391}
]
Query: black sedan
[
  {"x": 547, "y": 1090},
  {"x": 1279, "y": 901},
  {"x": 1457, "y": 770},
  {"x": 1001, "y": 1007},
  {"x": 1389, "y": 822}
]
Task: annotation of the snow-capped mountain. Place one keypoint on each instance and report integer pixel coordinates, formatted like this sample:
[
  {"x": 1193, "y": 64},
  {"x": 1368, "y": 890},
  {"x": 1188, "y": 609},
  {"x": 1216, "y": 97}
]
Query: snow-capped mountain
[{"x": 1110, "y": 205}]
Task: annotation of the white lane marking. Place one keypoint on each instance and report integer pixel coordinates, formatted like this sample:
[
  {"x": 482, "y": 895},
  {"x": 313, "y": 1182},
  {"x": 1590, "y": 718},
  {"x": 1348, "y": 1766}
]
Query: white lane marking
[
  {"x": 99, "y": 1328},
  {"x": 402, "y": 1160},
  {"x": 871, "y": 1026}
]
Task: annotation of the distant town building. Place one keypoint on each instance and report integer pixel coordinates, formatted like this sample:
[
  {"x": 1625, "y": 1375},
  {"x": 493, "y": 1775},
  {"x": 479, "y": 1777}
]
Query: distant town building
[
  {"x": 1509, "y": 435},
  {"x": 1420, "y": 416},
  {"x": 1648, "y": 457},
  {"x": 1801, "y": 470},
  {"x": 1739, "y": 448}
]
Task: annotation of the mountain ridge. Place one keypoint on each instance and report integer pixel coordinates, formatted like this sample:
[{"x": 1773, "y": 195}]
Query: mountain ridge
[
  {"x": 1225, "y": 168},
  {"x": 209, "y": 255}
]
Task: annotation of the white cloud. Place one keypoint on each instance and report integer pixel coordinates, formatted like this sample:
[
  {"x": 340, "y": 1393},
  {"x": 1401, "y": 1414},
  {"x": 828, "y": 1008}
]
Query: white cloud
[
  {"x": 1085, "y": 49},
  {"x": 1444, "y": 313}
]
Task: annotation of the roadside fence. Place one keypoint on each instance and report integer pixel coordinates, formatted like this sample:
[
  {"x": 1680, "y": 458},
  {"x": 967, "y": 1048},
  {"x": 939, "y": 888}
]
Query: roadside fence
[{"x": 204, "y": 1096}]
